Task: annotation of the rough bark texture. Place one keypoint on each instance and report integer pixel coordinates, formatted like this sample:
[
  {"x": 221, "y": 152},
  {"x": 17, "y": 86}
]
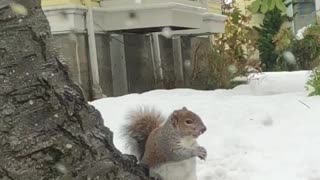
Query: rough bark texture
[{"x": 47, "y": 129}]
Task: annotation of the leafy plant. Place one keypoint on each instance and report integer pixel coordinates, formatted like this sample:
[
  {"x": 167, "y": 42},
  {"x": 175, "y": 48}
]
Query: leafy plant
[
  {"x": 284, "y": 42},
  {"x": 313, "y": 85},
  {"x": 231, "y": 53},
  {"x": 275, "y": 17},
  {"x": 307, "y": 50},
  {"x": 309, "y": 56},
  {"x": 269, "y": 28},
  {"x": 263, "y": 6}
]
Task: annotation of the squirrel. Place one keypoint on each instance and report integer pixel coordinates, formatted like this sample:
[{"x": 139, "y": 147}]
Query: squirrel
[{"x": 167, "y": 147}]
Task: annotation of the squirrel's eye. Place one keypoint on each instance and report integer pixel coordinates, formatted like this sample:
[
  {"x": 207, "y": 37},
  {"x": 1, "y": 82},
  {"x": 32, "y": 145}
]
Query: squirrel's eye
[{"x": 188, "y": 121}]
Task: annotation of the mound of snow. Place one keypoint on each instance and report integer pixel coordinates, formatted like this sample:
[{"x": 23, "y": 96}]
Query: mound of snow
[
  {"x": 275, "y": 83},
  {"x": 267, "y": 129}
]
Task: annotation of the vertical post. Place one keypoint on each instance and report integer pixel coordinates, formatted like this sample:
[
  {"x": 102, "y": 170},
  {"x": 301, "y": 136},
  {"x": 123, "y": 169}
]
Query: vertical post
[
  {"x": 167, "y": 62},
  {"x": 118, "y": 65},
  {"x": 317, "y": 10},
  {"x": 156, "y": 57},
  {"x": 290, "y": 14},
  {"x": 186, "y": 60},
  {"x": 178, "y": 61},
  {"x": 96, "y": 89}
]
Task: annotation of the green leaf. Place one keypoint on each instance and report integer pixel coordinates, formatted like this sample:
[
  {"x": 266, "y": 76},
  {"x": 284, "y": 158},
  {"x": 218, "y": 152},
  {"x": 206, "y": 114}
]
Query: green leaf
[
  {"x": 288, "y": 4},
  {"x": 281, "y": 6},
  {"x": 272, "y": 4},
  {"x": 255, "y": 5},
  {"x": 264, "y": 6},
  {"x": 269, "y": 3}
]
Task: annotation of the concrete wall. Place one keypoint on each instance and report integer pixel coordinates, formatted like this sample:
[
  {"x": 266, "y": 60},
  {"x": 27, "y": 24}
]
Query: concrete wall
[
  {"x": 74, "y": 48},
  {"x": 104, "y": 63},
  {"x": 177, "y": 63},
  {"x": 167, "y": 61},
  {"x": 139, "y": 63},
  {"x": 125, "y": 63},
  {"x": 195, "y": 66},
  {"x": 305, "y": 14}
]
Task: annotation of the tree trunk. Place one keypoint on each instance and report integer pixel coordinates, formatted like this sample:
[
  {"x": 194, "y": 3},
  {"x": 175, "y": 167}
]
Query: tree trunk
[{"x": 47, "y": 129}]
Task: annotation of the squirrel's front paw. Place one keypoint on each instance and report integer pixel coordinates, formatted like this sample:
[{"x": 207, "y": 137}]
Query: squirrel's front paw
[{"x": 201, "y": 152}]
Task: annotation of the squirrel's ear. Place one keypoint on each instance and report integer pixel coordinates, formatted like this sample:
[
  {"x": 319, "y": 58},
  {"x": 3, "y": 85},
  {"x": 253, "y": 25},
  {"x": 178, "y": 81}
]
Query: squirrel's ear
[
  {"x": 175, "y": 114},
  {"x": 175, "y": 117},
  {"x": 184, "y": 108}
]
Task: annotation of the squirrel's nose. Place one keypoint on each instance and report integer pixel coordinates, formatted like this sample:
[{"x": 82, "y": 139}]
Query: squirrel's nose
[{"x": 203, "y": 129}]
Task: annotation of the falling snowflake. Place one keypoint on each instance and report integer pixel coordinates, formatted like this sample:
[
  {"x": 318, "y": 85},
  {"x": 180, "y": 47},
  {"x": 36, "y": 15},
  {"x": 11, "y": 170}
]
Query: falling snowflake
[
  {"x": 289, "y": 57},
  {"x": 18, "y": 9},
  {"x": 69, "y": 146},
  {"x": 232, "y": 69},
  {"x": 166, "y": 32}
]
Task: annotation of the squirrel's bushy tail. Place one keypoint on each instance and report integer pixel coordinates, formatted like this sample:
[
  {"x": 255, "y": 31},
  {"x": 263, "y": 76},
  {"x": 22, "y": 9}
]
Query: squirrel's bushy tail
[{"x": 140, "y": 123}]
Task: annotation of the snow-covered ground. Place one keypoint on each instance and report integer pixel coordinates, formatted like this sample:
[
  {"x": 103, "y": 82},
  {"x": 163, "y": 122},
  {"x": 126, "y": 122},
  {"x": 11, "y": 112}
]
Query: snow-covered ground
[{"x": 266, "y": 130}]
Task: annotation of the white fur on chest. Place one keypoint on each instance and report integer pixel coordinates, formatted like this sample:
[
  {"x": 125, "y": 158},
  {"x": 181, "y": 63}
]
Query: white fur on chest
[
  {"x": 182, "y": 170},
  {"x": 188, "y": 142}
]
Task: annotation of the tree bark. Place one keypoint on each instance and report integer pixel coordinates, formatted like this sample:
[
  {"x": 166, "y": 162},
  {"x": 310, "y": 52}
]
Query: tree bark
[{"x": 47, "y": 129}]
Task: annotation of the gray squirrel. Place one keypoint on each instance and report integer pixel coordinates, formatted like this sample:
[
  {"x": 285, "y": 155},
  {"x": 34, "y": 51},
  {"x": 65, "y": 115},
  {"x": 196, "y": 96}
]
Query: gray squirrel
[{"x": 167, "y": 147}]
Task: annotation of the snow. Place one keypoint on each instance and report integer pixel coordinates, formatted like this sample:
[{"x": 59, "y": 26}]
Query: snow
[
  {"x": 267, "y": 129},
  {"x": 274, "y": 83},
  {"x": 300, "y": 32}
]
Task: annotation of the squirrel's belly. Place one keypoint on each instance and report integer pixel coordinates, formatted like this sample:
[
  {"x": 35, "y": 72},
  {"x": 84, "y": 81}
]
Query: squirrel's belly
[{"x": 182, "y": 170}]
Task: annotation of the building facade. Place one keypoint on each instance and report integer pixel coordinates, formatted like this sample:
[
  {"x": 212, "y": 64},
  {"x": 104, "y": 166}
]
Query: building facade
[{"x": 115, "y": 47}]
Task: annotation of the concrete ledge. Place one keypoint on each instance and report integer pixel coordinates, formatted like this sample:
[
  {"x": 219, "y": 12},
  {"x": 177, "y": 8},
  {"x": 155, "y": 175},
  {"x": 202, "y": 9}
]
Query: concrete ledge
[
  {"x": 211, "y": 23},
  {"x": 184, "y": 19},
  {"x": 64, "y": 19},
  {"x": 146, "y": 18},
  {"x": 143, "y": 3}
]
